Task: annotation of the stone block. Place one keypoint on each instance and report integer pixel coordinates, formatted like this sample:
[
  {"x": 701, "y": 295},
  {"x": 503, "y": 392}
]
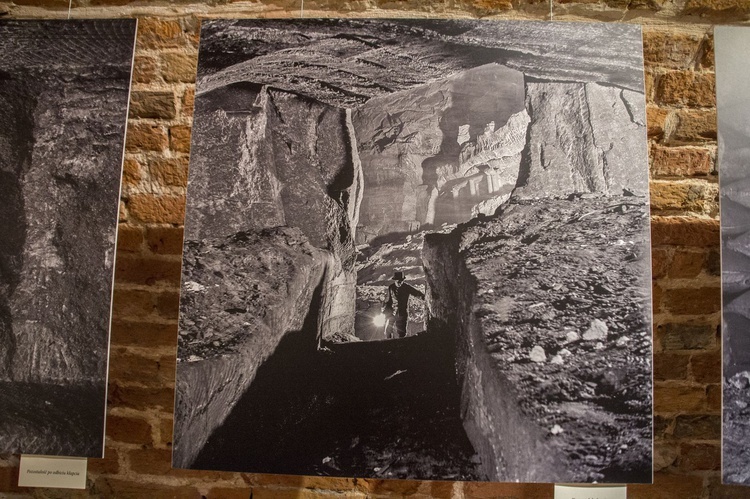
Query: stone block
[
  {"x": 681, "y": 161},
  {"x": 152, "y": 105},
  {"x": 670, "y": 366},
  {"x": 149, "y": 208},
  {"x": 130, "y": 430},
  {"x": 171, "y": 172},
  {"x": 164, "y": 240},
  {"x": 687, "y": 88},
  {"x": 693, "y": 301},
  {"x": 684, "y": 231},
  {"x": 145, "y": 137},
  {"x": 129, "y": 238},
  {"x": 677, "y": 397},
  {"x": 669, "y": 47},
  {"x": 179, "y": 67},
  {"x": 179, "y": 138},
  {"x": 694, "y": 125}
]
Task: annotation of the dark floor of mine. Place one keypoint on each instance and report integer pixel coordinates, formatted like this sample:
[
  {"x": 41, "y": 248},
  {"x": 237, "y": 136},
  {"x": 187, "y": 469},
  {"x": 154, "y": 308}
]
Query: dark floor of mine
[{"x": 385, "y": 409}]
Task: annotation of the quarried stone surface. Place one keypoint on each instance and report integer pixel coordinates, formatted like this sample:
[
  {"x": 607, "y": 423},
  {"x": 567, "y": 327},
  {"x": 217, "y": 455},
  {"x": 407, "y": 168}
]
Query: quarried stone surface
[
  {"x": 252, "y": 289},
  {"x": 63, "y": 101},
  {"x": 583, "y": 138},
  {"x": 550, "y": 304}
]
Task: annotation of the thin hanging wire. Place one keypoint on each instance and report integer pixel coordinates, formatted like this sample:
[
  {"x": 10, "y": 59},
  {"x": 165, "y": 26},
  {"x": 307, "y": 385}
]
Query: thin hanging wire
[
  {"x": 70, "y": 7},
  {"x": 550, "y": 9},
  {"x": 302, "y": 9}
]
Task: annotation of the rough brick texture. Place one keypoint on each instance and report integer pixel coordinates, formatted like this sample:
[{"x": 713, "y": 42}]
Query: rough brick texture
[{"x": 681, "y": 115}]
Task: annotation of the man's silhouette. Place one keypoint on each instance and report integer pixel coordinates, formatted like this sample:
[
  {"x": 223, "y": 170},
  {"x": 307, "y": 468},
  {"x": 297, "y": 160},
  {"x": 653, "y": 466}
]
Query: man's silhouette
[{"x": 397, "y": 306}]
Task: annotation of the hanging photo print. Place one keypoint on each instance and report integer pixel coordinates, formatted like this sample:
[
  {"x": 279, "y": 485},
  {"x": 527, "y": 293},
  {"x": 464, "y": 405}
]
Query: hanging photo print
[
  {"x": 417, "y": 249},
  {"x": 64, "y": 88},
  {"x": 733, "y": 108}
]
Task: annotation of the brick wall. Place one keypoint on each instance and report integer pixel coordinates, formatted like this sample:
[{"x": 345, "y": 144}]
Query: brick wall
[{"x": 678, "y": 52}]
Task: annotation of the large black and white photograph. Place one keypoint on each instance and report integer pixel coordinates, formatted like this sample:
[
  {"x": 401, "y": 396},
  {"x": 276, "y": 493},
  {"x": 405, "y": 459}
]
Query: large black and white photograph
[
  {"x": 733, "y": 108},
  {"x": 417, "y": 249},
  {"x": 64, "y": 88}
]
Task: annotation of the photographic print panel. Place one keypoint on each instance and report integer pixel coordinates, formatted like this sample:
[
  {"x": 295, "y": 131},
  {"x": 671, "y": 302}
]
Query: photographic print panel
[
  {"x": 417, "y": 249},
  {"x": 732, "y": 73},
  {"x": 63, "y": 108}
]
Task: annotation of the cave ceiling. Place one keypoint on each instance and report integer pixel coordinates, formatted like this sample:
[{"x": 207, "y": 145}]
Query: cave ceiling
[
  {"x": 346, "y": 62},
  {"x": 72, "y": 47}
]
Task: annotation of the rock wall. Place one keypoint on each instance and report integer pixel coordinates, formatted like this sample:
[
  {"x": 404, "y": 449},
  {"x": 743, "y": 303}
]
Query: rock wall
[
  {"x": 286, "y": 160},
  {"x": 431, "y": 154},
  {"x": 252, "y": 289},
  {"x": 551, "y": 307},
  {"x": 583, "y": 138},
  {"x": 62, "y": 137},
  {"x": 510, "y": 445}
]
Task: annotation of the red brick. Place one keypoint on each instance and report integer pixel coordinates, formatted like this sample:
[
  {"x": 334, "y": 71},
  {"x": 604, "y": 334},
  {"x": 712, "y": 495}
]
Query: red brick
[
  {"x": 694, "y": 125},
  {"x": 699, "y": 457},
  {"x": 713, "y": 394},
  {"x": 166, "y": 428},
  {"x": 719, "y": 491},
  {"x": 140, "y": 270},
  {"x": 229, "y": 493},
  {"x": 660, "y": 260},
  {"x": 168, "y": 304},
  {"x": 179, "y": 67},
  {"x": 671, "y": 366},
  {"x": 693, "y": 301},
  {"x": 122, "y": 213},
  {"x": 154, "y": 105},
  {"x": 158, "y": 33},
  {"x": 143, "y": 334},
  {"x": 686, "y": 336},
  {"x": 656, "y": 119},
  {"x": 179, "y": 138},
  {"x": 687, "y": 88},
  {"x": 150, "y": 461},
  {"x": 673, "y": 397},
  {"x": 170, "y": 171},
  {"x": 132, "y": 368},
  {"x": 137, "y": 397},
  {"x": 131, "y": 172},
  {"x": 129, "y": 238},
  {"x": 146, "y": 137},
  {"x": 686, "y": 263},
  {"x": 684, "y": 231},
  {"x": 479, "y": 490},
  {"x": 110, "y": 464},
  {"x": 730, "y": 8},
  {"x": 705, "y": 367},
  {"x": 669, "y": 47},
  {"x": 686, "y": 196},
  {"x": 656, "y": 297},
  {"x": 150, "y": 208},
  {"x": 188, "y": 101},
  {"x": 681, "y": 161},
  {"x": 668, "y": 486},
  {"x": 699, "y": 427},
  {"x": 122, "y": 488},
  {"x": 144, "y": 69},
  {"x": 707, "y": 51},
  {"x": 164, "y": 240},
  {"x": 9, "y": 479},
  {"x": 129, "y": 430}
]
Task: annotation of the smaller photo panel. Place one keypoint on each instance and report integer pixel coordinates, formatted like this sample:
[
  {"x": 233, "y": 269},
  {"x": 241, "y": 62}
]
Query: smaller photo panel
[
  {"x": 64, "y": 88},
  {"x": 733, "y": 106}
]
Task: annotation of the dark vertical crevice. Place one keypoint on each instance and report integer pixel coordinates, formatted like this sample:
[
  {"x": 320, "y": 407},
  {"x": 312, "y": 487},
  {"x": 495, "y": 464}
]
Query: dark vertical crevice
[{"x": 17, "y": 104}]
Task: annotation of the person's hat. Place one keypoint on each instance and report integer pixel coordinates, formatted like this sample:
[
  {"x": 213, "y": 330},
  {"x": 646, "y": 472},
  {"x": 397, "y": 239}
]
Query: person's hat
[{"x": 398, "y": 276}]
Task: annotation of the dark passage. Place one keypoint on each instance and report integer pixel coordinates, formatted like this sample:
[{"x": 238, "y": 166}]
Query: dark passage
[{"x": 386, "y": 409}]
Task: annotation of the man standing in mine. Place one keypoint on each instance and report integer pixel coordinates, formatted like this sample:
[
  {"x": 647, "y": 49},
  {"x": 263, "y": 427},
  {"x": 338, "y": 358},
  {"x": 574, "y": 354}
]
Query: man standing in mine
[{"x": 397, "y": 303}]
